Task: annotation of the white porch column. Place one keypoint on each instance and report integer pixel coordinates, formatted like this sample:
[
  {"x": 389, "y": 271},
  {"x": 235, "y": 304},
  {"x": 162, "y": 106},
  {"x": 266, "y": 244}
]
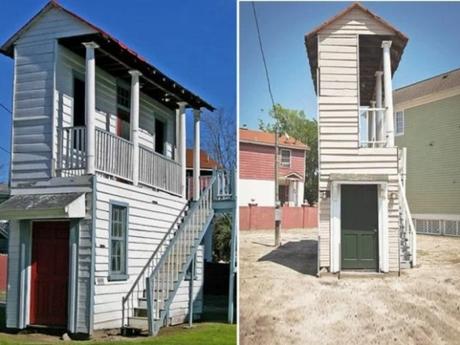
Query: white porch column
[
  {"x": 90, "y": 105},
  {"x": 182, "y": 146},
  {"x": 196, "y": 154},
  {"x": 378, "y": 104},
  {"x": 135, "y": 122},
  {"x": 390, "y": 139},
  {"x": 372, "y": 124}
]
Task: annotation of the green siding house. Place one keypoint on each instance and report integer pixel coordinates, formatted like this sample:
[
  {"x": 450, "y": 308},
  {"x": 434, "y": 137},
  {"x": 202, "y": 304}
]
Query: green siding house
[{"x": 427, "y": 122}]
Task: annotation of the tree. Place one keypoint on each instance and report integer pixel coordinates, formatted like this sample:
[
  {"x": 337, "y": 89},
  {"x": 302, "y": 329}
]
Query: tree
[
  {"x": 219, "y": 137},
  {"x": 222, "y": 237},
  {"x": 297, "y": 125}
]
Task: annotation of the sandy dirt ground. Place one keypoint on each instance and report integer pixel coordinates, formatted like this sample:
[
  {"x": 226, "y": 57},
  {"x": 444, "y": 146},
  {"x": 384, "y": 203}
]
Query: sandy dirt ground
[{"x": 283, "y": 302}]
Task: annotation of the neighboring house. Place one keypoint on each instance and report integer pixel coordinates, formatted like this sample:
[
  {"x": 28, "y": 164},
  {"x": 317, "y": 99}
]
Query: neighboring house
[
  {"x": 364, "y": 218},
  {"x": 101, "y": 234},
  {"x": 207, "y": 166},
  {"x": 427, "y": 122},
  {"x": 257, "y": 169}
]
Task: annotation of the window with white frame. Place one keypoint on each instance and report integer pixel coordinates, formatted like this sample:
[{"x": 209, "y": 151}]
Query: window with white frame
[
  {"x": 118, "y": 242},
  {"x": 399, "y": 123},
  {"x": 286, "y": 158}
]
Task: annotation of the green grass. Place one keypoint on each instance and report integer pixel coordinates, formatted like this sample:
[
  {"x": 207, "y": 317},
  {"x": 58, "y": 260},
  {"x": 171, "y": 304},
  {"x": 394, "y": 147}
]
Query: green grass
[{"x": 200, "y": 334}]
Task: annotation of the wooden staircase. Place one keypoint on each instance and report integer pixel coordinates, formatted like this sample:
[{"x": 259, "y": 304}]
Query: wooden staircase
[{"x": 147, "y": 304}]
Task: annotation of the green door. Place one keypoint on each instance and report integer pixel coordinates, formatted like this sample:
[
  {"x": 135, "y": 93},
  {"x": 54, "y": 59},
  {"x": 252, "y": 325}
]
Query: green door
[{"x": 359, "y": 222}]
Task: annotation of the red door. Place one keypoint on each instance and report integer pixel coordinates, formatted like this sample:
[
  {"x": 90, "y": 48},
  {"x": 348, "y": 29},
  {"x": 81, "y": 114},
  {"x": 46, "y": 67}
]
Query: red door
[{"x": 50, "y": 270}]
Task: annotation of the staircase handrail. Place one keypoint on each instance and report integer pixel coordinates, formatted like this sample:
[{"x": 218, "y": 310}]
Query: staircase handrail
[
  {"x": 152, "y": 257},
  {"x": 409, "y": 218}
]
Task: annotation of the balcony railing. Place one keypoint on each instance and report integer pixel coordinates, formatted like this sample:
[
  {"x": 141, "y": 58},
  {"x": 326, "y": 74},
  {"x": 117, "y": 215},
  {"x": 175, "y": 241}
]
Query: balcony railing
[
  {"x": 114, "y": 157},
  {"x": 159, "y": 171},
  {"x": 371, "y": 127},
  {"x": 72, "y": 155}
]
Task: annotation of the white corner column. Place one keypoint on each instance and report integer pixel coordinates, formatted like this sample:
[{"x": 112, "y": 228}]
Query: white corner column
[
  {"x": 378, "y": 104},
  {"x": 182, "y": 146},
  {"x": 196, "y": 154},
  {"x": 135, "y": 123},
  {"x": 90, "y": 105},
  {"x": 390, "y": 139}
]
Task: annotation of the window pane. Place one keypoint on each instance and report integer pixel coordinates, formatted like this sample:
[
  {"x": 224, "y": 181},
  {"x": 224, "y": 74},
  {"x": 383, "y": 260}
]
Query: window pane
[{"x": 118, "y": 239}]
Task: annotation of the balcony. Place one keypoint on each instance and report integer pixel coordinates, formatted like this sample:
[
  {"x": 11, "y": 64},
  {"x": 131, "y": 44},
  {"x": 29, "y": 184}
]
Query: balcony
[
  {"x": 114, "y": 157},
  {"x": 372, "y": 127}
]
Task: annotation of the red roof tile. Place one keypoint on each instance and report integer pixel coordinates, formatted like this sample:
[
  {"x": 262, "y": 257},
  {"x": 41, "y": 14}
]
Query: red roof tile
[{"x": 267, "y": 138}]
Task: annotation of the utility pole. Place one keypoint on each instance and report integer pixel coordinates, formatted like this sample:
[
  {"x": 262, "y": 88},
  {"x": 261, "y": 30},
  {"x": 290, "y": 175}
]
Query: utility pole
[{"x": 277, "y": 198}]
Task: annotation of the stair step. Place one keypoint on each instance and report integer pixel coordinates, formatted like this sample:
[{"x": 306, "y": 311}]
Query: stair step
[
  {"x": 143, "y": 304},
  {"x": 138, "y": 322}
]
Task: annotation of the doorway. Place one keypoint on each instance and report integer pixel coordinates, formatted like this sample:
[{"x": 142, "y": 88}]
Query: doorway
[
  {"x": 359, "y": 226},
  {"x": 50, "y": 272}
]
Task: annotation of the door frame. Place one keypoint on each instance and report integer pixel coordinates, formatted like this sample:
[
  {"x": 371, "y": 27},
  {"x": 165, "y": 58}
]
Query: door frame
[
  {"x": 25, "y": 275},
  {"x": 335, "y": 224}
]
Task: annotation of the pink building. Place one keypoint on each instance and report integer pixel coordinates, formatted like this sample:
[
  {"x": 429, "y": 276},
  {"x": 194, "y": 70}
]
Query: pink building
[{"x": 257, "y": 173}]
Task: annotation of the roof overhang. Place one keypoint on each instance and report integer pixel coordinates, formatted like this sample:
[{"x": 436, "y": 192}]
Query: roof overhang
[
  {"x": 293, "y": 176},
  {"x": 120, "y": 59},
  {"x": 359, "y": 178},
  {"x": 44, "y": 206},
  {"x": 370, "y": 52},
  {"x": 281, "y": 145}
]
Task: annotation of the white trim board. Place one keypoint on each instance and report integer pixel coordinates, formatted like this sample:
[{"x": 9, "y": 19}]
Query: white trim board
[
  {"x": 435, "y": 216},
  {"x": 432, "y": 97},
  {"x": 335, "y": 224}
]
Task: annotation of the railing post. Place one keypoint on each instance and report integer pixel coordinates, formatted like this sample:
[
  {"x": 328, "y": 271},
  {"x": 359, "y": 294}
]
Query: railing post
[
  {"x": 135, "y": 123},
  {"x": 90, "y": 105},
  {"x": 150, "y": 311}
]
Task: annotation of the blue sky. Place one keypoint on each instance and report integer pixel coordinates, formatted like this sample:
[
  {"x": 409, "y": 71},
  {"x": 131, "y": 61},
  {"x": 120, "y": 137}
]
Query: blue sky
[
  {"x": 191, "y": 41},
  {"x": 433, "y": 48}
]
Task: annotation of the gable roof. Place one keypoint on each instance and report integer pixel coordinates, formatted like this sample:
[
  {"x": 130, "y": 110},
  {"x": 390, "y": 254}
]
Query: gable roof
[
  {"x": 206, "y": 162},
  {"x": 112, "y": 45},
  {"x": 250, "y": 136},
  {"x": 355, "y": 5},
  {"x": 399, "y": 41},
  {"x": 442, "y": 82}
]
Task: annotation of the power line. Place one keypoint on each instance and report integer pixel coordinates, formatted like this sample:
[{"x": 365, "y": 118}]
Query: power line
[
  {"x": 263, "y": 56},
  {"x": 8, "y": 110},
  {"x": 4, "y": 107}
]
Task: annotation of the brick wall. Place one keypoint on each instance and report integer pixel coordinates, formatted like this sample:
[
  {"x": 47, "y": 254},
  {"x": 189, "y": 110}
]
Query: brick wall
[{"x": 263, "y": 217}]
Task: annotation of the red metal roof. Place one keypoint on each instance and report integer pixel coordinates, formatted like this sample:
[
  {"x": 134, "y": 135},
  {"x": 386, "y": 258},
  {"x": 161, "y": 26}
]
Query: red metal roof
[
  {"x": 206, "y": 162},
  {"x": 7, "y": 49},
  {"x": 268, "y": 138}
]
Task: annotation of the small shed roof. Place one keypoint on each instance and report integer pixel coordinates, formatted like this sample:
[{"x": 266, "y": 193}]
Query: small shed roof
[
  {"x": 41, "y": 206},
  {"x": 267, "y": 138},
  {"x": 120, "y": 57},
  {"x": 438, "y": 83}
]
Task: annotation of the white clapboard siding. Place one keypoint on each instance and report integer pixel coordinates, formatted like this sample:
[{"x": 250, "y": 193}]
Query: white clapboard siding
[
  {"x": 338, "y": 105},
  {"x": 70, "y": 64},
  {"x": 151, "y": 214},
  {"x": 357, "y": 22},
  {"x": 33, "y": 93},
  {"x": 12, "y": 305}
]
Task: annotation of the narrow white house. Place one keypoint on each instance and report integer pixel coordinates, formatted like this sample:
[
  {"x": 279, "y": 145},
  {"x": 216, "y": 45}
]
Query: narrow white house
[
  {"x": 101, "y": 234},
  {"x": 364, "y": 219}
]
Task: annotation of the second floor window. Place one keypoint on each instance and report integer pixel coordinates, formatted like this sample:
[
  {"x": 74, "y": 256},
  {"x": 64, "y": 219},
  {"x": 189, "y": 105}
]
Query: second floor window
[
  {"x": 160, "y": 136},
  {"x": 118, "y": 242},
  {"x": 78, "y": 102},
  {"x": 286, "y": 158},
  {"x": 399, "y": 123},
  {"x": 123, "y": 112}
]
